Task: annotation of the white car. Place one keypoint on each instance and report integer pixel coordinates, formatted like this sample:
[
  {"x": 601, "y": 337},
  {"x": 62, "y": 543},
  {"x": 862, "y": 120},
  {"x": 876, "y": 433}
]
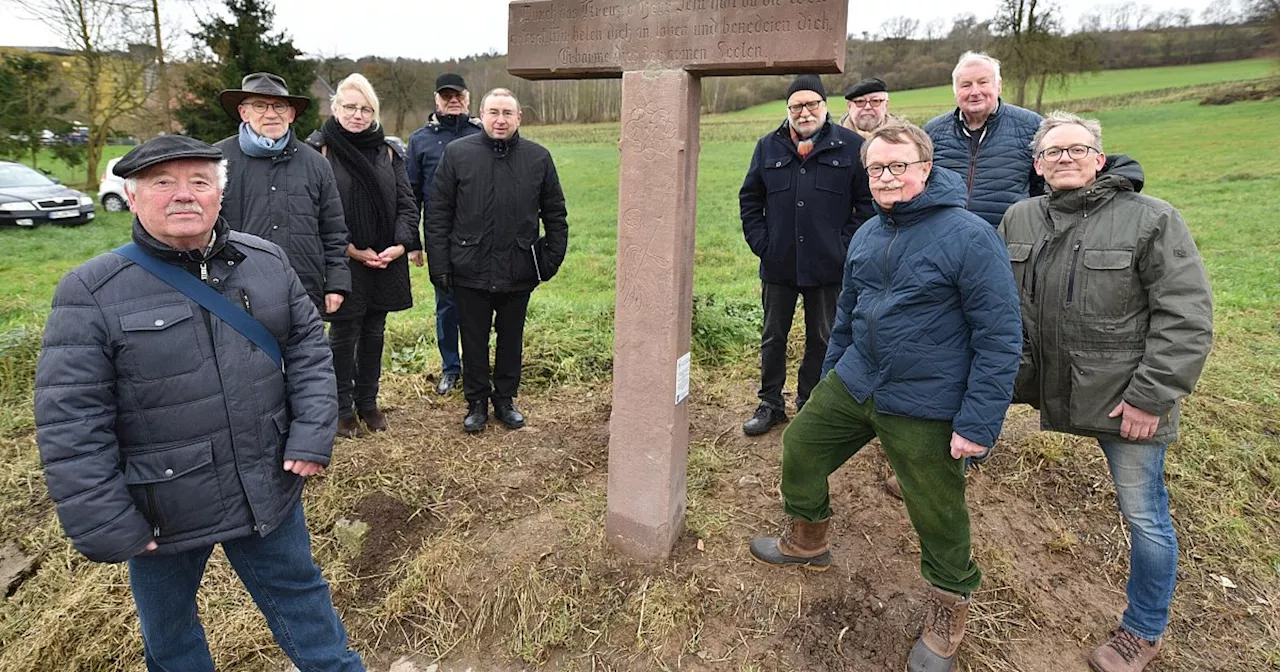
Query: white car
[{"x": 111, "y": 190}]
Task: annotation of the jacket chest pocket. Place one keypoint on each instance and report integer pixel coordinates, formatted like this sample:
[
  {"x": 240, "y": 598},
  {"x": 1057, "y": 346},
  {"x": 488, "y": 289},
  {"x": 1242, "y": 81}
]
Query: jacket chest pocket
[
  {"x": 161, "y": 342},
  {"x": 176, "y": 489},
  {"x": 777, "y": 174},
  {"x": 1104, "y": 283},
  {"x": 1019, "y": 258},
  {"x": 833, "y": 172}
]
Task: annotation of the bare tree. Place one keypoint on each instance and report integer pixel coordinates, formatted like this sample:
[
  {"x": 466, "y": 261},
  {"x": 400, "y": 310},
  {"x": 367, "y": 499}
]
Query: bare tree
[
  {"x": 900, "y": 28},
  {"x": 115, "y": 81}
]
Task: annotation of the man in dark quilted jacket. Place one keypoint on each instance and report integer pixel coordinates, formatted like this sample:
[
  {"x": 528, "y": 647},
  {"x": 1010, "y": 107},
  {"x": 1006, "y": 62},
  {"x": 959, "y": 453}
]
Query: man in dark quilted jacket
[
  {"x": 163, "y": 430},
  {"x": 986, "y": 140},
  {"x": 923, "y": 356}
]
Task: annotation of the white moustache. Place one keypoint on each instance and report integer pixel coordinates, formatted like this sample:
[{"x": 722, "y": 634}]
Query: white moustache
[{"x": 183, "y": 208}]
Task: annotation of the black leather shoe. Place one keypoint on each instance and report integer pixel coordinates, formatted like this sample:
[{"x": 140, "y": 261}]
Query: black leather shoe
[
  {"x": 505, "y": 411},
  {"x": 477, "y": 416},
  {"x": 448, "y": 381},
  {"x": 764, "y": 420}
]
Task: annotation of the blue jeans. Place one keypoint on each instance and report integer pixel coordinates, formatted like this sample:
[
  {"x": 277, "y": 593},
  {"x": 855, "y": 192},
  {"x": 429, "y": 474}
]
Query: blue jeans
[
  {"x": 447, "y": 332},
  {"x": 1138, "y": 473},
  {"x": 284, "y": 582}
]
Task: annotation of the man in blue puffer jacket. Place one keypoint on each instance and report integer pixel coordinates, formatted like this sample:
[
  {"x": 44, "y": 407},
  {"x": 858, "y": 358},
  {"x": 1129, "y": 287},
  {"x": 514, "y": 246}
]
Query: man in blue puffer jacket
[
  {"x": 986, "y": 140},
  {"x": 923, "y": 355}
]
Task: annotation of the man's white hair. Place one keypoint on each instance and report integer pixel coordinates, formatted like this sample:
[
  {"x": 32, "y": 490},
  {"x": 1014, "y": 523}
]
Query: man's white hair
[
  {"x": 131, "y": 183},
  {"x": 969, "y": 58}
]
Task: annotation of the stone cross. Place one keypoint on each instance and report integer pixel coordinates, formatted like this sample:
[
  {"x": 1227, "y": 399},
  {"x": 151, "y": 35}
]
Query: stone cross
[{"x": 661, "y": 49}]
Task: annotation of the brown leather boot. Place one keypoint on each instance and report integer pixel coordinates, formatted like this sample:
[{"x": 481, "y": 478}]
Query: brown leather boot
[
  {"x": 374, "y": 418},
  {"x": 804, "y": 544},
  {"x": 349, "y": 428},
  {"x": 1124, "y": 652},
  {"x": 944, "y": 617}
]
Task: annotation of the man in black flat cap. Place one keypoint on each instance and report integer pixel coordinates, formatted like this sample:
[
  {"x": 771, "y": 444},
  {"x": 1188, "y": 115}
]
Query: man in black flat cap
[
  {"x": 282, "y": 190},
  {"x": 803, "y": 197},
  {"x": 868, "y": 107},
  {"x": 166, "y": 423},
  {"x": 451, "y": 120}
]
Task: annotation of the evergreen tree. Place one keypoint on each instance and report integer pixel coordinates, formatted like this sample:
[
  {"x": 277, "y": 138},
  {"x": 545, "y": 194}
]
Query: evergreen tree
[
  {"x": 31, "y": 101},
  {"x": 240, "y": 46}
]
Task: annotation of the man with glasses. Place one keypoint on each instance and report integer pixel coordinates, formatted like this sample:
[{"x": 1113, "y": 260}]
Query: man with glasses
[
  {"x": 803, "y": 197},
  {"x": 282, "y": 190},
  {"x": 1118, "y": 316},
  {"x": 868, "y": 107},
  {"x": 488, "y": 196},
  {"x": 986, "y": 140},
  {"x": 923, "y": 356},
  {"x": 450, "y": 121}
]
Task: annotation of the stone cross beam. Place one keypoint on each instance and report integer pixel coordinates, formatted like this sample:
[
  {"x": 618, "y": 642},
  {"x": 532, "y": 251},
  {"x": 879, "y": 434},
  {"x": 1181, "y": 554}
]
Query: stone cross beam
[{"x": 661, "y": 49}]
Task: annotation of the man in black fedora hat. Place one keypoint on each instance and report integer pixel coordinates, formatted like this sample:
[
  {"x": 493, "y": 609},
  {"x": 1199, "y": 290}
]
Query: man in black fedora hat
[
  {"x": 282, "y": 190},
  {"x": 867, "y": 103}
]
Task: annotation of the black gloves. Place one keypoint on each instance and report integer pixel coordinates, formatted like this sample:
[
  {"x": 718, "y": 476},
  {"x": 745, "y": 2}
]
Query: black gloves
[{"x": 443, "y": 281}]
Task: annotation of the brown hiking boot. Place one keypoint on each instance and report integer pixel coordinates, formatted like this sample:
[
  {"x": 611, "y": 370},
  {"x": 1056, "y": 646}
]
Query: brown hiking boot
[
  {"x": 1124, "y": 652},
  {"x": 944, "y": 617},
  {"x": 891, "y": 486},
  {"x": 374, "y": 418},
  {"x": 349, "y": 428},
  {"x": 804, "y": 544}
]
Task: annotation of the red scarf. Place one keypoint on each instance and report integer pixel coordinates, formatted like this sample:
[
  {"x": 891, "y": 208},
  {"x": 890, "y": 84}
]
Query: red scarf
[{"x": 803, "y": 146}]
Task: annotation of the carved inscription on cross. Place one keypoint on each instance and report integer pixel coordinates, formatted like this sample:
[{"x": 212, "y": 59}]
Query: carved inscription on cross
[{"x": 661, "y": 49}]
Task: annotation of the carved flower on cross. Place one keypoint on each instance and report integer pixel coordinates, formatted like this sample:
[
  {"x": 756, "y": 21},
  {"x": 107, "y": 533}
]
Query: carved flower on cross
[{"x": 650, "y": 130}]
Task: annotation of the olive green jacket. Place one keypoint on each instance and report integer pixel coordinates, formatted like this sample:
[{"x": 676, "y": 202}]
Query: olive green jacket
[{"x": 1116, "y": 304}]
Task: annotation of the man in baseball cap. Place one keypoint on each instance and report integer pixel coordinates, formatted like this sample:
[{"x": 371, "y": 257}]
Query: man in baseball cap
[{"x": 451, "y": 120}]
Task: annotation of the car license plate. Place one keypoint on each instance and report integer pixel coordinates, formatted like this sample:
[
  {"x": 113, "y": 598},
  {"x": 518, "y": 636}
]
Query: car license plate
[{"x": 64, "y": 214}]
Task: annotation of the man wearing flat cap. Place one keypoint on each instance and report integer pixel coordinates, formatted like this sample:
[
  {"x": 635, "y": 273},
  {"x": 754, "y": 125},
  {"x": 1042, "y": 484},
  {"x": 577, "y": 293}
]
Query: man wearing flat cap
[
  {"x": 868, "y": 107},
  {"x": 282, "y": 190},
  {"x": 184, "y": 394},
  {"x": 451, "y": 120},
  {"x": 803, "y": 197}
]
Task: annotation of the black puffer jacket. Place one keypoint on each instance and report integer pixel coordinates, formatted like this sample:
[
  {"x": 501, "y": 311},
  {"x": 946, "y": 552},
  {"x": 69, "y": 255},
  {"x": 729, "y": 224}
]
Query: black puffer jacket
[
  {"x": 382, "y": 289},
  {"x": 291, "y": 200},
  {"x": 482, "y": 218},
  {"x": 157, "y": 420}
]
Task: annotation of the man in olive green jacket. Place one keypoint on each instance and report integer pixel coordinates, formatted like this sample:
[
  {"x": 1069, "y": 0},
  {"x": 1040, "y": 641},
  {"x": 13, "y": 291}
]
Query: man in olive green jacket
[{"x": 1117, "y": 315}]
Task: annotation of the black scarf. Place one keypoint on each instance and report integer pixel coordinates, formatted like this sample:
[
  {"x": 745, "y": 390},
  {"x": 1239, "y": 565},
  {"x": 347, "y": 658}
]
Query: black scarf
[{"x": 370, "y": 206}]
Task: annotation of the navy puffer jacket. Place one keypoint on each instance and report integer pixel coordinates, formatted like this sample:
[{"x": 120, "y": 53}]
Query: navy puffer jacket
[
  {"x": 157, "y": 420},
  {"x": 928, "y": 320},
  {"x": 1001, "y": 173}
]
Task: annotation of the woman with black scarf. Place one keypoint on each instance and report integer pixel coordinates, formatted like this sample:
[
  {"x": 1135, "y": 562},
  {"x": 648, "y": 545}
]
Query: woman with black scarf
[{"x": 382, "y": 219}]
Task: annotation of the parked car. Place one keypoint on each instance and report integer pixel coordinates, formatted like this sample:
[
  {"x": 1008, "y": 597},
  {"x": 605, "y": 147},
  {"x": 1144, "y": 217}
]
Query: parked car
[
  {"x": 398, "y": 143},
  {"x": 111, "y": 190},
  {"x": 29, "y": 198}
]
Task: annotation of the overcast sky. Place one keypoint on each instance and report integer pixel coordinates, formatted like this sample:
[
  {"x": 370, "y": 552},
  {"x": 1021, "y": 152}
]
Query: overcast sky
[{"x": 444, "y": 29}]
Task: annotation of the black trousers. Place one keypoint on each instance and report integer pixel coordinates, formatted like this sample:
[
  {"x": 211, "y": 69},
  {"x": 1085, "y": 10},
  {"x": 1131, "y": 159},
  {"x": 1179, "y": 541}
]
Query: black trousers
[
  {"x": 478, "y": 313},
  {"x": 357, "y": 360},
  {"x": 779, "y": 311}
]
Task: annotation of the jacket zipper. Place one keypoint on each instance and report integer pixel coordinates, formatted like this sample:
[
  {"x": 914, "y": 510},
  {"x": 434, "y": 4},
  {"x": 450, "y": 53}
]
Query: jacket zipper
[
  {"x": 1071, "y": 280},
  {"x": 204, "y": 272},
  {"x": 155, "y": 510},
  {"x": 1035, "y": 264},
  {"x": 871, "y": 326}
]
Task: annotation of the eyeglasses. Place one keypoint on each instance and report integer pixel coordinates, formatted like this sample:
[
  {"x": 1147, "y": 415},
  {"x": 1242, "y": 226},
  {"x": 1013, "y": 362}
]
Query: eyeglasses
[
  {"x": 895, "y": 168},
  {"x": 450, "y": 94},
  {"x": 1076, "y": 152},
  {"x": 812, "y": 106},
  {"x": 260, "y": 106},
  {"x": 351, "y": 109},
  {"x": 869, "y": 102}
]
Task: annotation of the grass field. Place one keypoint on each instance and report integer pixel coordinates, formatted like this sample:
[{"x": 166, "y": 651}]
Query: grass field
[{"x": 505, "y": 566}]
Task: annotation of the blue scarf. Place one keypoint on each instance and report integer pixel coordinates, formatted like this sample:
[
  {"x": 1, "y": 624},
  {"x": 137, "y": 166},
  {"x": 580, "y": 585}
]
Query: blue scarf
[{"x": 259, "y": 146}]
